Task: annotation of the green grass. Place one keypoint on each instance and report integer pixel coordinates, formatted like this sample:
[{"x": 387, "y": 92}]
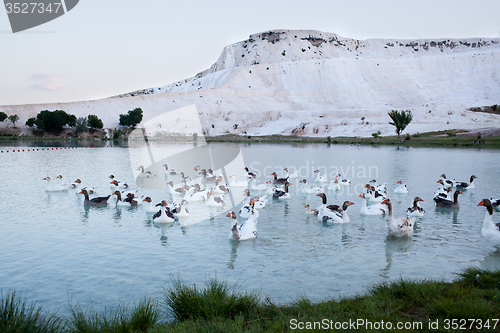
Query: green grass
[
  {"x": 219, "y": 307},
  {"x": 217, "y": 299},
  {"x": 120, "y": 320},
  {"x": 18, "y": 316}
]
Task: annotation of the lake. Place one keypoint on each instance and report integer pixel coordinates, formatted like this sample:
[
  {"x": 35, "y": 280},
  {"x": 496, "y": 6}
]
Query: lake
[{"x": 55, "y": 251}]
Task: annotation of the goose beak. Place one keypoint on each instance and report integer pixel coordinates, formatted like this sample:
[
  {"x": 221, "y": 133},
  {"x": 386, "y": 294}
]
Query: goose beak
[
  {"x": 481, "y": 203},
  {"x": 360, "y": 195},
  {"x": 228, "y": 215},
  {"x": 384, "y": 202}
]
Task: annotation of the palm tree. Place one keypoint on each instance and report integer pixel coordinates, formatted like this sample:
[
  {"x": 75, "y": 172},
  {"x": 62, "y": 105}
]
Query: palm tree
[{"x": 400, "y": 119}]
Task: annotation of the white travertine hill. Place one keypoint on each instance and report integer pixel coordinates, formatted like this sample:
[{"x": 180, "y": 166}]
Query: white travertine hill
[{"x": 311, "y": 83}]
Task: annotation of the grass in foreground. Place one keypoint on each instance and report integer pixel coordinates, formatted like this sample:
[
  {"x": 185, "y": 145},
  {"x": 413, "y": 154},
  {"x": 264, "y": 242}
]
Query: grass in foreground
[{"x": 423, "y": 306}]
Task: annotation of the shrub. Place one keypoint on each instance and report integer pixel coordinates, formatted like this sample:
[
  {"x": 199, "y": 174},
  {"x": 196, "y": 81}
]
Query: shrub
[
  {"x": 3, "y": 116},
  {"x": 30, "y": 122},
  {"x": 54, "y": 121},
  {"x": 132, "y": 118},
  {"x": 94, "y": 122}
]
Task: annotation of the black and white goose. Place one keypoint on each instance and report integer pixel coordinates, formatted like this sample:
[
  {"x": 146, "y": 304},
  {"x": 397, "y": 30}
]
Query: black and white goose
[
  {"x": 445, "y": 203},
  {"x": 164, "y": 215},
  {"x": 277, "y": 180},
  {"x": 415, "y": 210},
  {"x": 465, "y": 185},
  {"x": 282, "y": 194}
]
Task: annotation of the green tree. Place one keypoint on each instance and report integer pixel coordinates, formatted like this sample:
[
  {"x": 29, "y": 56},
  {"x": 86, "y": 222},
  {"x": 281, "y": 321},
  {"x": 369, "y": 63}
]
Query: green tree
[
  {"x": 14, "y": 118},
  {"x": 132, "y": 118},
  {"x": 54, "y": 121},
  {"x": 81, "y": 125},
  {"x": 30, "y": 122},
  {"x": 94, "y": 122},
  {"x": 400, "y": 119},
  {"x": 3, "y": 116}
]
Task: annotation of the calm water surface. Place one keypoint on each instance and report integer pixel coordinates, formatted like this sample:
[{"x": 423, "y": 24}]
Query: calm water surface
[{"x": 55, "y": 251}]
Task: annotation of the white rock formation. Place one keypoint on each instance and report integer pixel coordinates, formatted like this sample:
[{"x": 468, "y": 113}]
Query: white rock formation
[{"x": 312, "y": 83}]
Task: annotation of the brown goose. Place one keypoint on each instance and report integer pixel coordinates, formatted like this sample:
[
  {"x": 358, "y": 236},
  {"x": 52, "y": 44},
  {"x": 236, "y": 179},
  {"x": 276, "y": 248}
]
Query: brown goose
[
  {"x": 277, "y": 180},
  {"x": 445, "y": 203},
  {"x": 99, "y": 201}
]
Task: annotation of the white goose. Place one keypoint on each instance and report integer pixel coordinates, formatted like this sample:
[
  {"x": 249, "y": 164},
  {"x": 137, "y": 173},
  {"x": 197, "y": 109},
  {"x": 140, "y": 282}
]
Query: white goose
[
  {"x": 311, "y": 189},
  {"x": 342, "y": 181},
  {"x": 115, "y": 184},
  {"x": 320, "y": 178},
  {"x": 334, "y": 185},
  {"x": 398, "y": 226},
  {"x": 490, "y": 230},
  {"x": 377, "y": 209},
  {"x": 254, "y": 187},
  {"x": 415, "y": 210},
  {"x": 181, "y": 211},
  {"x": 164, "y": 215},
  {"x": 234, "y": 183},
  {"x": 246, "y": 230},
  {"x": 214, "y": 201},
  {"x": 288, "y": 175},
  {"x": 148, "y": 207},
  {"x": 401, "y": 188},
  {"x": 310, "y": 211},
  {"x": 51, "y": 187}
]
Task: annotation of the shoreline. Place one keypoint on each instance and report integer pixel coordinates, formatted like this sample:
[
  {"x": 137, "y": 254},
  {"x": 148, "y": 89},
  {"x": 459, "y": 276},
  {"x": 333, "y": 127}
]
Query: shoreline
[{"x": 448, "y": 139}]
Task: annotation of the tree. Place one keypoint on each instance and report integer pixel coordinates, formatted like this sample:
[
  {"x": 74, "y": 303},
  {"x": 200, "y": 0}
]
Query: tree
[
  {"x": 94, "y": 122},
  {"x": 132, "y": 118},
  {"x": 54, "y": 121},
  {"x": 81, "y": 125},
  {"x": 400, "y": 119},
  {"x": 14, "y": 118},
  {"x": 30, "y": 122},
  {"x": 3, "y": 116}
]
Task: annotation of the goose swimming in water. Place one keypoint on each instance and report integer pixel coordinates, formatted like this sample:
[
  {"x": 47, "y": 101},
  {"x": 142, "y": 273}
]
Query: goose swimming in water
[
  {"x": 398, "y": 226},
  {"x": 310, "y": 211},
  {"x": 445, "y": 203},
  {"x": 415, "y": 210},
  {"x": 401, "y": 188},
  {"x": 465, "y": 185},
  {"x": 282, "y": 194},
  {"x": 377, "y": 209},
  {"x": 490, "y": 230},
  {"x": 164, "y": 215},
  {"x": 277, "y": 180},
  {"x": 247, "y": 230},
  {"x": 99, "y": 201},
  {"x": 55, "y": 187}
]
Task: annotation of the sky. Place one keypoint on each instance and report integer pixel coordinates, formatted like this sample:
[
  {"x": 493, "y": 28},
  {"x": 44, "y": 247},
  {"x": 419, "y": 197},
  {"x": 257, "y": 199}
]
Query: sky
[{"x": 105, "y": 48}]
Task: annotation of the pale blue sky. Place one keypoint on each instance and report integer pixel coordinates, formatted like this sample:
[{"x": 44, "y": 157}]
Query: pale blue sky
[{"x": 103, "y": 48}]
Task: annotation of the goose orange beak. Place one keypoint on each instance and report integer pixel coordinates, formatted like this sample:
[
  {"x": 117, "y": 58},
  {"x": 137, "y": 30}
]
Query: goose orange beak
[
  {"x": 384, "y": 202},
  {"x": 481, "y": 203}
]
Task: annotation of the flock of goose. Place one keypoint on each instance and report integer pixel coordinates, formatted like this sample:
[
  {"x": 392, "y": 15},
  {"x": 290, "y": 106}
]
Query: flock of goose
[{"x": 209, "y": 189}]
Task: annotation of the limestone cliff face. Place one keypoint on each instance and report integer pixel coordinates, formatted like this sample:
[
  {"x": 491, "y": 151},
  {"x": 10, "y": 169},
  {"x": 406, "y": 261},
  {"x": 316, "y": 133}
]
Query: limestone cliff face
[{"x": 307, "y": 82}]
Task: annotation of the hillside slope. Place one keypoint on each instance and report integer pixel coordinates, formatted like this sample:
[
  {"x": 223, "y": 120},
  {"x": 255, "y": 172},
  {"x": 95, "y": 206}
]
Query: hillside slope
[{"x": 319, "y": 84}]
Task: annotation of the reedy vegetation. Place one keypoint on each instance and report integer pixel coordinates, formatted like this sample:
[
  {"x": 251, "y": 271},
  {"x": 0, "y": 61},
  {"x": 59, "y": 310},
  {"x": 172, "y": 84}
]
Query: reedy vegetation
[{"x": 222, "y": 308}]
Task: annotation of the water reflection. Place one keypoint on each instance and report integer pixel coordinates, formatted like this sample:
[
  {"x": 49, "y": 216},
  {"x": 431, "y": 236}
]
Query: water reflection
[
  {"x": 394, "y": 245},
  {"x": 163, "y": 231},
  {"x": 232, "y": 257},
  {"x": 491, "y": 261},
  {"x": 446, "y": 213}
]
